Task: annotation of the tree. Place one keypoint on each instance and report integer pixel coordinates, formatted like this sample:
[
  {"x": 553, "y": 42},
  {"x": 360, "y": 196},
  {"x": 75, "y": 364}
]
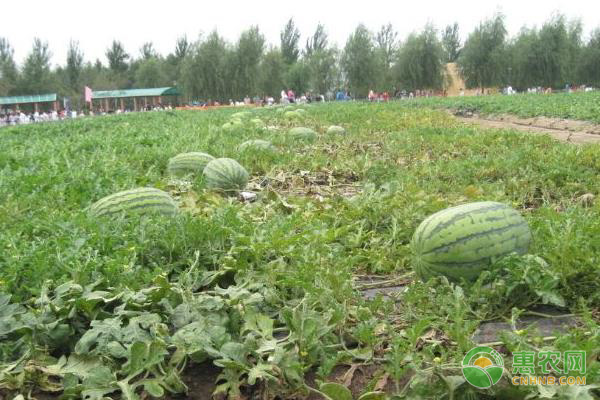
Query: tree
[
  {"x": 205, "y": 69},
  {"x": 150, "y": 74},
  {"x": 290, "y": 36},
  {"x": 36, "y": 77},
  {"x": 117, "y": 57},
  {"x": 249, "y": 51},
  {"x": 322, "y": 68},
  {"x": 8, "y": 69},
  {"x": 358, "y": 61},
  {"x": 588, "y": 72},
  {"x": 386, "y": 47},
  {"x": 298, "y": 77},
  {"x": 482, "y": 61},
  {"x": 273, "y": 67},
  {"x": 74, "y": 64},
  {"x": 420, "y": 61},
  {"x": 451, "y": 42},
  {"x": 318, "y": 41},
  {"x": 182, "y": 47},
  {"x": 147, "y": 51}
]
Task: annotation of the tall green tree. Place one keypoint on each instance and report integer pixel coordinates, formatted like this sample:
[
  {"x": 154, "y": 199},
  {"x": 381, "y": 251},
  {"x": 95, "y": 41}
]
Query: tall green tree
[
  {"x": 420, "y": 63},
  {"x": 322, "y": 67},
  {"x": 272, "y": 70},
  {"x": 249, "y": 51},
  {"x": 36, "y": 76},
  {"x": 182, "y": 46},
  {"x": 117, "y": 57},
  {"x": 289, "y": 37},
  {"x": 358, "y": 61},
  {"x": 482, "y": 59},
  {"x": 451, "y": 42},
  {"x": 318, "y": 41},
  {"x": 298, "y": 77},
  {"x": 74, "y": 64},
  {"x": 205, "y": 69},
  {"x": 149, "y": 73},
  {"x": 147, "y": 51},
  {"x": 8, "y": 68},
  {"x": 522, "y": 55},
  {"x": 386, "y": 46},
  {"x": 589, "y": 72}
]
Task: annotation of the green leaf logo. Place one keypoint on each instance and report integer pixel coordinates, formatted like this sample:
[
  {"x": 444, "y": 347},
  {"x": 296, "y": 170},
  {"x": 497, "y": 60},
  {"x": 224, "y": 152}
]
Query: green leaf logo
[{"x": 482, "y": 367}]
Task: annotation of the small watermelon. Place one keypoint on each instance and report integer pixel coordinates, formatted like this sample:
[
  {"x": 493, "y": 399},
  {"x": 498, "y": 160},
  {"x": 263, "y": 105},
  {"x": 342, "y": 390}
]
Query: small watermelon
[
  {"x": 461, "y": 242},
  {"x": 225, "y": 174},
  {"x": 335, "y": 130},
  {"x": 302, "y": 133},
  {"x": 135, "y": 201},
  {"x": 188, "y": 163},
  {"x": 241, "y": 115}
]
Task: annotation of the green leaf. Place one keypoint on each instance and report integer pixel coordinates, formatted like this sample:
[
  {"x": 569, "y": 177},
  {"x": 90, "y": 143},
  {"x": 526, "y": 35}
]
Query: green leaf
[
  {"x": 373, "y": 396},
  {"x": 154, "y": 388},
  {"x": 335, "y": 391},
  {"x": 260, "y": 371},
  {"x": 579, "y": 392}
]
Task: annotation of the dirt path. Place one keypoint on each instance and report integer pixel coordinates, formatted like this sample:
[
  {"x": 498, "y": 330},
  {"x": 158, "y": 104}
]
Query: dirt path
[{"x": 529, "y": 126}]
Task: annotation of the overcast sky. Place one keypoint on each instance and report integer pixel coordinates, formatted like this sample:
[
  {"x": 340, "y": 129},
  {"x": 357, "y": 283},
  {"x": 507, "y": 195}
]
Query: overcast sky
[{"x": 96, "y": 24}]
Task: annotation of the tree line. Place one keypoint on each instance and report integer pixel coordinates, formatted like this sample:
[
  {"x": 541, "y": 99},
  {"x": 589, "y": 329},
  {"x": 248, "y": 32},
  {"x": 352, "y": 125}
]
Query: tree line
[{"x": 212, "y": 68}]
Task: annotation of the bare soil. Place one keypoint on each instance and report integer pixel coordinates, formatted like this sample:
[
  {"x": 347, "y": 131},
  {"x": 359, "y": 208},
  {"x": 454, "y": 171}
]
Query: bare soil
[{"x": 571, "y": 131}]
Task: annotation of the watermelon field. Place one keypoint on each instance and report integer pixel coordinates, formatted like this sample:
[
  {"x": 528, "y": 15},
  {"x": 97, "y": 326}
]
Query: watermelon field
[
  {"x": 584, "y": 106},
  {"x": 305, "y": 285}
]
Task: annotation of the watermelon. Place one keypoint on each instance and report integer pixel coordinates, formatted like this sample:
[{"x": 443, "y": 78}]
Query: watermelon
[
  {"x": 336, "y": 130},
  {"x": 291, "y": 114},
  {"x": 461, "y": 242},
  {"x": 241, "y": 115},
  {"x": 257, "y": 122},
  {"x": 232, "y": 124},
  {"x": 225, "y": 174},
  {"x": 257, "y": 144},
  {"x": 188, "y": 163},
  {"x": 135, "y": 201},
  {"x": 302, "y": 133}
]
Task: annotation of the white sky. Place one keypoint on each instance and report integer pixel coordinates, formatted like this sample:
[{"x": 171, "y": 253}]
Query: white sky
[{"x": 95, "y": 24}]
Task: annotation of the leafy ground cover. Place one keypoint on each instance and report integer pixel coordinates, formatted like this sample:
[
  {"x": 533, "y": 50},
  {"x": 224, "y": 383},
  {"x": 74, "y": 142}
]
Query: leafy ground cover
[
  {"x": 267, "y": 291},
  {"x": 579, "y": 105}
]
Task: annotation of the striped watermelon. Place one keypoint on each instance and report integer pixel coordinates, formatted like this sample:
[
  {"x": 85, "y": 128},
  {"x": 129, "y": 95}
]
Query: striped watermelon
[
  {"x": 135, "y": 201},
  {"x": 225, "y": 174},
  {"x": 461, "y": 242},
  {"x": 302, "y": 133},
  {"x": 188, "y": 163}
]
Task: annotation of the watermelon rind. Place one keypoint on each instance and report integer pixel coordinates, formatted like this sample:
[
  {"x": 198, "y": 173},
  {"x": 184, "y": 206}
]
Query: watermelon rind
[
  {"x": 225, "y": 174},
  {"x": 461, "y": 242},
  {"x": 135, "y": 201},
  {"x": 188, "y": 163}
]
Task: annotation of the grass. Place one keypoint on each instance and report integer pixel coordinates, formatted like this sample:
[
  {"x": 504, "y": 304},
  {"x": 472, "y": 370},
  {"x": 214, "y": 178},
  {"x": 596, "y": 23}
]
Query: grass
[
  {"x": 266, "y": 290},
  {"x": 579, "y": 105}
]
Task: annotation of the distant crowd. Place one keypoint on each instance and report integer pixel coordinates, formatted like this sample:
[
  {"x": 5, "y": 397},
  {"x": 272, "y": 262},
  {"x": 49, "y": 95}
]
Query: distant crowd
[{"x": 19, "y": 117}]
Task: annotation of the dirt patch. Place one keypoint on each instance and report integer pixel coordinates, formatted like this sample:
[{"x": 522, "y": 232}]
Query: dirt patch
[
  {"x": 571, "y": 131},
  {"x": 318, "y": 184}
]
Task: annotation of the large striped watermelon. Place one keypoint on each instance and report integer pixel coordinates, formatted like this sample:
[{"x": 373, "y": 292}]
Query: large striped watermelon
[
  {"x": 135, "y": 201},
  {"x": 461, "y": 242},
  {"x": 188, "y": 163},
  {"x": 225, "y": 174}
]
